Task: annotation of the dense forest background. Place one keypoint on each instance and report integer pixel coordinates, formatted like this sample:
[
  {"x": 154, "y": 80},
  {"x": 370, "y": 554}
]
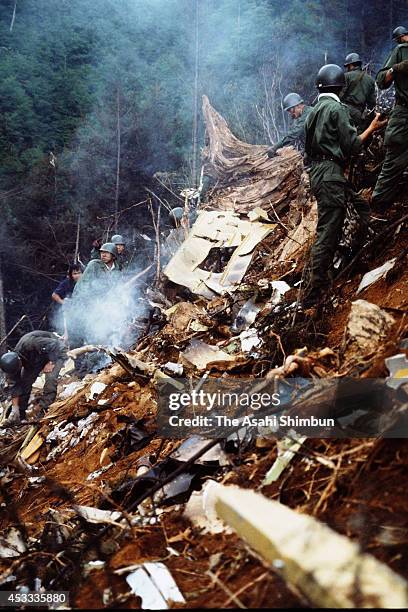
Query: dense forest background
[{"x": 100, "y": 109}]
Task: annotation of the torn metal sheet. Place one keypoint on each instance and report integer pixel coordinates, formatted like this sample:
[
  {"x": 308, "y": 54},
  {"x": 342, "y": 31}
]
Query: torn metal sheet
[
  {"x": 173, "y": 368},
  {"x": 154, "y": 584},
  {"x": 200, "y": 354},
  {"x": 203, "y": 517},
  {"x": 70, "y": 389},
  {"x": 95, "y": 515},
  {"x": 279, "y": 290},
  {"x": 287, "y": 449},
  {"x": 246, "y": 315},
  {"x": 68, "y": 367},
  {"x": 257, "y": 214},
  {"x": 374, "y": 275},
  {"x": 96, "y": 389},
  {"x": 216, "y": 229},
  {"x": 193, "y": 445},
  {"x": 398, "y": 369},
  {"x": 249, "y": 340},
  {"x": 11, "y": 545},
  {"x": 130, "y": 362}
]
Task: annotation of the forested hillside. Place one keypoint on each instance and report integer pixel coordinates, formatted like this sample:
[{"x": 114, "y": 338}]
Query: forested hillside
[{"x": 96, "y": 96}]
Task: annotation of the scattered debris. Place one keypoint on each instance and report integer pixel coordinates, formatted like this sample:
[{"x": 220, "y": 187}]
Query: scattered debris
[
  {"x": 173, "y": 368},
  {"x": 11, "y": 544},
  {"x": 96, "y": 389},
  {"x": 249, "y": 340},
  {"x": 94, "y": 515},
  {"x": 372, "y": 277},
  {"x": 287, "y": 449},
  {"x": 70, "y": 389},
  {"x": 398, "y": 369},
  {"x": 154, "y": 584},
  {"x": 246, "y": 316},
  {"x": 193, "y": 445},
  {"x": 125, "y": 495},
  {"x": 203, "y": 356},
  {"x": 201, "y": 514}
]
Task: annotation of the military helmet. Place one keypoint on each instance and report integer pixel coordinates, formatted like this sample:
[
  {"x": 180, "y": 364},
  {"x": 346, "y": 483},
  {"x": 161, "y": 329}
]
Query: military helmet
[
  {"x": 330, "y": 75},
  {"x": 352, "y": 58},
  {"x": 109, "y": 247},
  {"x": 291, "y": 100},
  {"x": 118, "y": 239},
  {"x": 176, "y": 215},
  {"x": 10, "y": 363},
  {"x": 398, "y": 32}
]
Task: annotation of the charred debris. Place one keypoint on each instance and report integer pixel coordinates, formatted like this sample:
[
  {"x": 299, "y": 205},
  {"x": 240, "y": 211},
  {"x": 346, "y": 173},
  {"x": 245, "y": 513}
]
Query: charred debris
[{"x": 96, "y": 502}]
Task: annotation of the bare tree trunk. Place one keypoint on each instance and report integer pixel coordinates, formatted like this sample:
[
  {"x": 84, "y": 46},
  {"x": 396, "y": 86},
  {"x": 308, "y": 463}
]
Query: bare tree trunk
[
  {"x": 119, "y": 134},
  {"x": 391, "y": 15},
  {"x": 2, "y": 314},
  {"x": 14, "y": 16},
  {"x": 76, "y": 256},
  {"x": 346, "y": 41},
  {"x": 195, "y": 101},
  {"x": 239, "y": 25}
]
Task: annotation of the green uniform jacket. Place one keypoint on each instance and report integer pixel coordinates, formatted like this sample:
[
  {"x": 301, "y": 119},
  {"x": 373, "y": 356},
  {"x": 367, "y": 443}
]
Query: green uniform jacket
[
  {"x": 35, "y": 349},
  {"x": 359, "y": 91},
  {"x": 396, "y": 134},
  {"x": 399, "y": 54},
  {"x": 330, "y": 142},
  {"x": 330, "y": 135},
  {"x": 296, "y": 134},
  {"x": 96, "y": 279}
]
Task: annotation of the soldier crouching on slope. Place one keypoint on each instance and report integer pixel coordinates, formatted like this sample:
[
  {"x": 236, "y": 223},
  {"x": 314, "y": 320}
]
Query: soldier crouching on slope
[
  {"x": 299, "y": 111},
  {"x": 331, "y": 140},
  {"x": 36, "y": 352},
  {"x": 395, "y": 70}
]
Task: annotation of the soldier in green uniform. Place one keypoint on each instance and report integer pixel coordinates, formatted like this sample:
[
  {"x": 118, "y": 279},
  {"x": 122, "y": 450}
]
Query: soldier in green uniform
[
  {"x": 98, "y": 279},
  {"x": 359, "y": 92},
  {"x": 331, "y": 140},
  {"x": 36, "y": 352},
  {"x": 123, "y": 257},
  {"x": 100, "y": 274},
  {"x": 395, "y": 70},
  {"x": 299, "y": 112}
]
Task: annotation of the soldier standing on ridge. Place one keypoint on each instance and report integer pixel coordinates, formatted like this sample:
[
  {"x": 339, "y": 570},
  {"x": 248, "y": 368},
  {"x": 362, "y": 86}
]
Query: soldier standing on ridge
[
  {"x": 36, "y": 352},
  {"x": 359, "y": 92},
  {"x": 299, "y": 112},
  {"x": 395, "y": 70},
  {"x": 331, "y": 140}
]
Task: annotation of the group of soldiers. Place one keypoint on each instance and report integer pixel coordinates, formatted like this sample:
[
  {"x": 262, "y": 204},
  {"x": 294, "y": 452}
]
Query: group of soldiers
[
  {"x": 330, "y": 133},
  {"x": 43, "y": 351},
  {"x": 334, "y": 130}
]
